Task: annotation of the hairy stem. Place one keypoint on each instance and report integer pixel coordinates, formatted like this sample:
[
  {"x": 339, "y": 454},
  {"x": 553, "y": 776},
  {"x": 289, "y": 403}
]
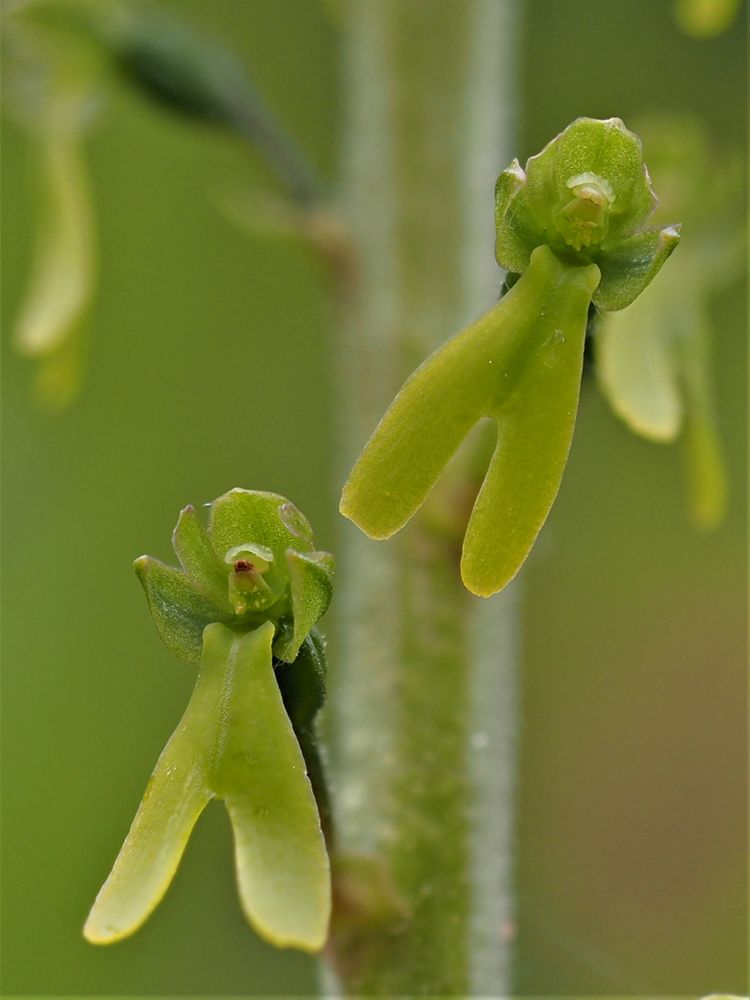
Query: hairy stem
[{"x": 422, "y": 716}]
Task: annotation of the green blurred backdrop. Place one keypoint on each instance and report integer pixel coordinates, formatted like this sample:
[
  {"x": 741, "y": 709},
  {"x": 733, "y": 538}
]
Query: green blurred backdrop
[{"x": 210, "y": 367}]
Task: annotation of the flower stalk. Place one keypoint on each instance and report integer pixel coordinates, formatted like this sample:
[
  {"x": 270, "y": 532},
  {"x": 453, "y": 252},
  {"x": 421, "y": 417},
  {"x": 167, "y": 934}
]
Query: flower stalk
[{"x": 422, "y": 721}]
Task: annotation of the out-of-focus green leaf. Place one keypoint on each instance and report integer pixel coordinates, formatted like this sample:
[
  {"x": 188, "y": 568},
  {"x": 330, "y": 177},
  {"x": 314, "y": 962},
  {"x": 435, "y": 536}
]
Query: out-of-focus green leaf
[
  {"x": 179, "y": 69},
  {"x": 206, "y": 82}
]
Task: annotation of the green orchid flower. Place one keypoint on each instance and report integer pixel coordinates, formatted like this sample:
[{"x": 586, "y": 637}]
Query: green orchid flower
[
  {"x": 574, "y": 226},
  {"x": 245, "y": 599},
  {"x": 654, "y": 361}
]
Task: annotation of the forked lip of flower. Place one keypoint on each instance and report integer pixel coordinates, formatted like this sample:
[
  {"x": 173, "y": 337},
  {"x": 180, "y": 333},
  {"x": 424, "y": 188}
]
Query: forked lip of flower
[{"x": 256, "y": 766}]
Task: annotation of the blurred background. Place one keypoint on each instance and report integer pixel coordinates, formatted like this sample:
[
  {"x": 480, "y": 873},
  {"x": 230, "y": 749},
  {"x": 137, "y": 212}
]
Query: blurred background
[{"x": 209, "y": 365}]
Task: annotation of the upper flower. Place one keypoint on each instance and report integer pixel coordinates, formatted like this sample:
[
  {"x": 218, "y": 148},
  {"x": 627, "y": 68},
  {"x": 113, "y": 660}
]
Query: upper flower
[{"x": 587, "y": 195}]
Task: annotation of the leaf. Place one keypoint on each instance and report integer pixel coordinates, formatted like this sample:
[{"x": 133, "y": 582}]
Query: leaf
[
  {"x": 311, "y": 581},
  {"x": 282, "y": 864},
  {"x": 179, "y": 613},
  {"x": 199, "y": 560},
  {"x": 180, "y": 70}
]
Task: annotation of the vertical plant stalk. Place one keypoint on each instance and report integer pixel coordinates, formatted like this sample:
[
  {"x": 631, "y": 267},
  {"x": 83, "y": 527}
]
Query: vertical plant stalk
[{"x": 422, "y": 707}]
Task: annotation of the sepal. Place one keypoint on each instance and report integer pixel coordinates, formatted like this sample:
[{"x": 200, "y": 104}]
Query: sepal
[
  {"x": 517, "y": 231},
  {"x": 311, "y": 582},
  {"x": 630, "y": 267},
  {"x": 605, "y": 149},
  {"x": 179, "y": 612},
  {"x": 193, "y": 548}
]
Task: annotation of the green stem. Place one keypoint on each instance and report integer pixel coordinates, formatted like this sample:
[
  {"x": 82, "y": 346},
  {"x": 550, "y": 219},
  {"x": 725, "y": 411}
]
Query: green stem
[{"x": 422, "y": 698}]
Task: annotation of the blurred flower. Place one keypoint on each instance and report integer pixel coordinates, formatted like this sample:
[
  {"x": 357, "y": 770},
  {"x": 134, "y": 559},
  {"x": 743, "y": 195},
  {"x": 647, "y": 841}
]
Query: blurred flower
[
  {"x": 705, "y": 18},
  {"x": 654, "y": 361},
  {"x": 49, "y": 92}
]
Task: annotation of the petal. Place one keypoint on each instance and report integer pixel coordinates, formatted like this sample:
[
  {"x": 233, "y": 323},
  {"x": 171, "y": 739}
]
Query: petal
[
  {"x": 179, "y": 613},
  {"x": 517, "y": 231},
  {"x": 535, "y": 428},
  {"x": 282, "y": 864},
  {"x": 174, "y": 799},
  {"x": 629, "y": 267},
  {"x": 311, "y": 580},
  {"x": 197, "y": 557}
]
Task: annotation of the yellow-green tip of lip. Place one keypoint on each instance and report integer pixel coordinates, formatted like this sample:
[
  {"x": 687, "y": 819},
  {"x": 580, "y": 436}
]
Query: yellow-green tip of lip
[
  {"x": 485, "y": 584},
  {"x": 103, "y": 936},
  {"x": 348, "y": 509}
]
